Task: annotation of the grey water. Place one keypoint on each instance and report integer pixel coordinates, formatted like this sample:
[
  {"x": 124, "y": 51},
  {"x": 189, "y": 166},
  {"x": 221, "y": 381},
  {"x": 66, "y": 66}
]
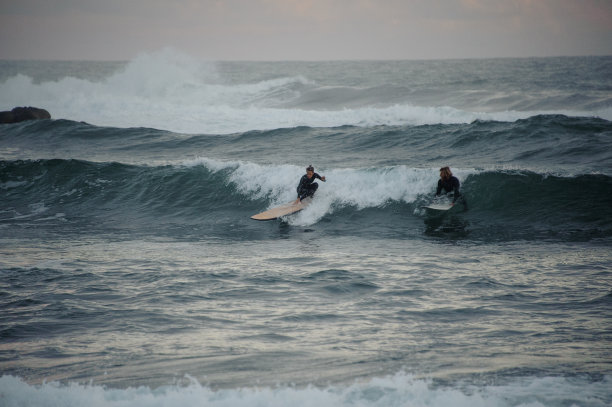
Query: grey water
[{"x": 131, "y": 272}]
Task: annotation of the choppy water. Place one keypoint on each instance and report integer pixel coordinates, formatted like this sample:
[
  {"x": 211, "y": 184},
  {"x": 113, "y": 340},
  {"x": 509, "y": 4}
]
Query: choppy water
[{"x": 131, "y": 272}]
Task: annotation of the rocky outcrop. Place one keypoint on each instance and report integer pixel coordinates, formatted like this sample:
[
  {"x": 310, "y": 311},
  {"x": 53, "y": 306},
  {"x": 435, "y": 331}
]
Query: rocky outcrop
[{"x": 20, "y": 114}]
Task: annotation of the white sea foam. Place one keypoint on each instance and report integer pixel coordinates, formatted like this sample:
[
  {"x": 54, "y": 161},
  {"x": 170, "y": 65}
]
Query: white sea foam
[
  {"x": 171, "y": 91},
  {"x": 397, "y": 390},
  {"x": 357, "y": 187}
]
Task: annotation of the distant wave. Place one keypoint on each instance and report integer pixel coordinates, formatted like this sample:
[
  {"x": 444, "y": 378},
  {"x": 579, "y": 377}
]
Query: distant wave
[
  {"x": 171, "y": 91},
  {"x": 557, "y": 144}
]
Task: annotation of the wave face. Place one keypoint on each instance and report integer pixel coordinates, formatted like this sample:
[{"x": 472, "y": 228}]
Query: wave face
[
  {"x": 172, "y": 91},
  {"x": 517, "y": 204}
]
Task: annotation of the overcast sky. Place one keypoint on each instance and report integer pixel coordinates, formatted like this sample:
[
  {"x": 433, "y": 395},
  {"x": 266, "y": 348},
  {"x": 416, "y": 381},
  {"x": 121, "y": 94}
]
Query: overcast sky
[{"x": 304, "y": 29}]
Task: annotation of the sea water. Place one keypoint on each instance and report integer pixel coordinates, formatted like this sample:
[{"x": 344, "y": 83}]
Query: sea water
[{"x": 132, "y": 274}]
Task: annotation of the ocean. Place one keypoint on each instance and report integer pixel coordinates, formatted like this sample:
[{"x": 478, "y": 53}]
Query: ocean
[{"x": 132, "y": 274}]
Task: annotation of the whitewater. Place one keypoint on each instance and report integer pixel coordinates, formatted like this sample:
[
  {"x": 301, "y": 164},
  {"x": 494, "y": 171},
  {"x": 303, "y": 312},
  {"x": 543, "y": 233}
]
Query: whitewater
[
  {"x": 132, "y": 274},
  {"x": 172, "y": 91}
]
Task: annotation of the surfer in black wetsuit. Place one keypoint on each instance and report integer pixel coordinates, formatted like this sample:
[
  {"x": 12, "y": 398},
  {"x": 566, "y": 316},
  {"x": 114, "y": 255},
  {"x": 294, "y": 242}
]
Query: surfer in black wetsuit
[
  {"x": 450, "y": 183},
  {"x": 307, "y": 187}
]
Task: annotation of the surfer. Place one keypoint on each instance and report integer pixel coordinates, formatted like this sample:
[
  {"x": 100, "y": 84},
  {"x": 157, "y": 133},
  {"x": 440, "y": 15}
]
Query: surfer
[
  {"x": 449, "y": 183},
  {"x": 307, "y": 187}
]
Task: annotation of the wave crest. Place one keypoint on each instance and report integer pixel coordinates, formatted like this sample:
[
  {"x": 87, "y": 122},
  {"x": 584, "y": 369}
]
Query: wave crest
[{"x": 168, "y": 90}]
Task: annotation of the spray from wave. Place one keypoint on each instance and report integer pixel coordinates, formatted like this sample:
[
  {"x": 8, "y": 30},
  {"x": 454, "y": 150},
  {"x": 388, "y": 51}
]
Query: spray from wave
[{"x": 171, "y": 91}]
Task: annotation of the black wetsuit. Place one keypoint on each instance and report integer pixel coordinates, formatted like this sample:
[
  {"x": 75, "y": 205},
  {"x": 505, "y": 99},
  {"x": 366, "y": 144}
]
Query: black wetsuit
[
  {"x": 307, "y": 186},
  {"x": 451, "y": 185}
]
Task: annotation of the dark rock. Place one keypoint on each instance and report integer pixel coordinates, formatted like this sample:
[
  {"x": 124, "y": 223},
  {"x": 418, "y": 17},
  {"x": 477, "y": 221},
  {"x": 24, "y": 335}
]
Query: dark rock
[{"x": 20, "y": 114}]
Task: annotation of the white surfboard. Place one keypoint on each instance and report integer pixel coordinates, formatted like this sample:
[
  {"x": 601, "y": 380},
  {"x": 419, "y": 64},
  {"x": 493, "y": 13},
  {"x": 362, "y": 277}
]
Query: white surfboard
[
  {"x": 439, "y": 206},
  {"x": 282, "y": 210}
]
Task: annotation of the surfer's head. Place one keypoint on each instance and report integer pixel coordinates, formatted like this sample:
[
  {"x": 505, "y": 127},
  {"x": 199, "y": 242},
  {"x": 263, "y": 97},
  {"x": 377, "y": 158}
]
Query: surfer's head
[
  {"x": 310, "y": 171},
  {"x": 445, "y": 173}
]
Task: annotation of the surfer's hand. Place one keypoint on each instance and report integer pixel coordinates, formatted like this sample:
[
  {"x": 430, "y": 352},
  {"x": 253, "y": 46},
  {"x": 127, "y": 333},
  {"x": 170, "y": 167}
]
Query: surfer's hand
[{"x": 323, "y": 179}]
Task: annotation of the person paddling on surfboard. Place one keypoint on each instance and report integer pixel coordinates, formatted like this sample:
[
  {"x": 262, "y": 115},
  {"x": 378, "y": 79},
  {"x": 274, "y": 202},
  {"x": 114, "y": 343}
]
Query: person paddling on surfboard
[
  {"x": 307, "y": 187},
  {"x": 449, "y": 183}
]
